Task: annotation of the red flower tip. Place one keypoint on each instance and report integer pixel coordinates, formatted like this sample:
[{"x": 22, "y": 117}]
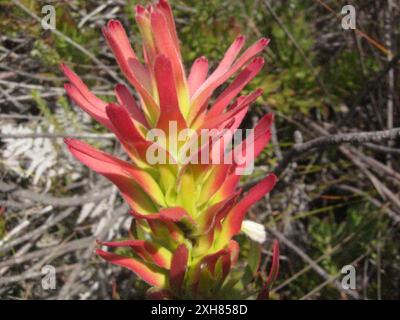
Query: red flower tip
[
  {"x": 67, "y": 71},
  {"x": 112, "y": 24},
  {"x": 67, "y": 86},
  {"x": 112, "y": 105},
  {"x": 257, "y": 93},
  {"x": 149, "y": 8},
  {"x": 240, "y": 39},
  {"x": 139, "y": 9},
  {"x": 63, "y": 66},
  {"x": 202, "y": 59},
  {"x": 258, "y": 62},
  {"x": 163, "y": 3},
  {"x": 113, "y": 110},
  {"x": 264, "y": 41}
]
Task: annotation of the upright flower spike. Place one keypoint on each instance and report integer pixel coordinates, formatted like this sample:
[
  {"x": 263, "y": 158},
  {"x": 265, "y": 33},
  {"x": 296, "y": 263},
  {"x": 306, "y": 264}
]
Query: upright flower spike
[{"x": 186, "y": 206}]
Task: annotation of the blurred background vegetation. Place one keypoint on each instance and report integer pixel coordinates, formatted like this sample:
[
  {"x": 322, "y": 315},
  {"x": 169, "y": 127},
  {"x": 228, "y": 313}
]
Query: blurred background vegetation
[{"x": 332, "y": 207}]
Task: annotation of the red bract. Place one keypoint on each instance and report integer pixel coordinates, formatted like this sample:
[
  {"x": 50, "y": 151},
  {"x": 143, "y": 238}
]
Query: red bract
[{"x": 185, "y": 211}]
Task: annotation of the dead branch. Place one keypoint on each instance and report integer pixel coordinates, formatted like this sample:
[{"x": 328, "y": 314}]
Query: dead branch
[{"x": 335, "y": 139}]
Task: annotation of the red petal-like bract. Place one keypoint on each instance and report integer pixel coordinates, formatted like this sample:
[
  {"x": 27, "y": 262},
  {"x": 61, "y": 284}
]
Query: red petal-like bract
[
  {"x": 187, "y": 209},
  {"x": 145, "y": 272},
  {"x": 178, "y": 267},
  {"x": 128, "y": 101},
  {"x": 198, "y": 74},
  {"x": 148, "y": 251},
  {"x": 233, "y": 221},
  {"x": 273, "y": 273}
]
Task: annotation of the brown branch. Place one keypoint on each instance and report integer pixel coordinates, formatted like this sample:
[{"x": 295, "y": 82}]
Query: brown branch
[{"x": 335, "y": 139}]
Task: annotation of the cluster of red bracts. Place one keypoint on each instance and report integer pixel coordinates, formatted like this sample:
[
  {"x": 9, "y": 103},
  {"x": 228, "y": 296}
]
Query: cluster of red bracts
[{"x": 184, "y": 215}]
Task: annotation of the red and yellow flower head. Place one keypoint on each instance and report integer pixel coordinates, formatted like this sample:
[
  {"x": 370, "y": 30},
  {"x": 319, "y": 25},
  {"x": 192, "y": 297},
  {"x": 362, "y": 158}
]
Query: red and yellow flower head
[{"x": 185, "y": 214}]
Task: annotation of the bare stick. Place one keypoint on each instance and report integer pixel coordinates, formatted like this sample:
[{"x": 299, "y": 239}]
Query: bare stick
[
  {"x": 335, "y": 139},
  {"x": 65, "y": 201}
]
